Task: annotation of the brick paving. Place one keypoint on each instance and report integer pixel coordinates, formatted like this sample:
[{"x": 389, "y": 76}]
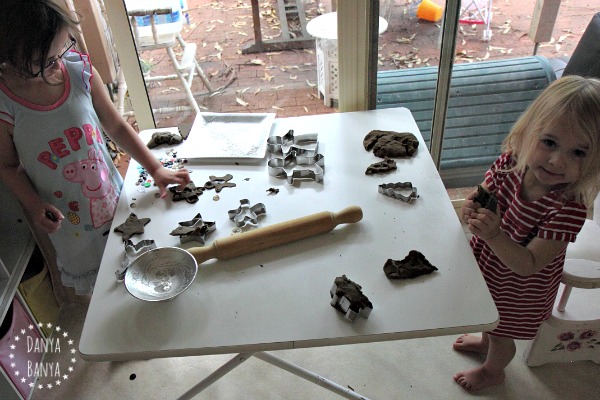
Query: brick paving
[{"x": 284, "y": 82}]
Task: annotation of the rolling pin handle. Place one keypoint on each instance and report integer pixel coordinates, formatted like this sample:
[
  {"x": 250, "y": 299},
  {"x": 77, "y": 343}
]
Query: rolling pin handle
[{"x": 348, "y": 215}]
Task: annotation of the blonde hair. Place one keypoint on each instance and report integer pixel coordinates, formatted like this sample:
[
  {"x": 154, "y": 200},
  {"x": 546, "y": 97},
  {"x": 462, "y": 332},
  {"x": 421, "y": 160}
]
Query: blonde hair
[{"x": 572, "y": 102}]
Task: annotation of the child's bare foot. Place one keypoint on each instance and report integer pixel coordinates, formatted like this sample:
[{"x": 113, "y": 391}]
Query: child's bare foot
[
  {"x": 478, "y": 378},
  {"x": 470, "y": 343}
]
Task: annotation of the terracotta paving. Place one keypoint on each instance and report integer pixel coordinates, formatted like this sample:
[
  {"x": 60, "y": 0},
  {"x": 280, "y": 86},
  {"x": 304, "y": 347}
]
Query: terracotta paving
[{"x": 284, "y": 82}]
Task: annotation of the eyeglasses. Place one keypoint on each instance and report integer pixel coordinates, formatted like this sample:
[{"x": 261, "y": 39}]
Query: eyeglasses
[{"x": 53, "y": 62}]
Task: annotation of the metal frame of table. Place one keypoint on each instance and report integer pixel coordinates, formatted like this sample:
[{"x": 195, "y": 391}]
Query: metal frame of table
[{"x": 259, "y": 302}]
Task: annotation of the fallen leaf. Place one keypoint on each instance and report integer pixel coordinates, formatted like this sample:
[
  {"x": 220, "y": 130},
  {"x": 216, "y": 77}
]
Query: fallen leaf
[
  {"x": 268, "y": 78},
  {"x": 257, "y": 61},
  {"x": 277, "y": 108},
  {"x": 242, "y": 102},
  {"x": 294, "y": 77},
  {"x": 305, "y": 109}
]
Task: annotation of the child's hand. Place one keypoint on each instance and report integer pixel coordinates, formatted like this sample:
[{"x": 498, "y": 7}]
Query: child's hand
[
  {"x": 485, "y": 223},
  {"x": 469, "y": 208},
  {"x": 45, "y": 216},
  {"x": 164, "y": 177}
]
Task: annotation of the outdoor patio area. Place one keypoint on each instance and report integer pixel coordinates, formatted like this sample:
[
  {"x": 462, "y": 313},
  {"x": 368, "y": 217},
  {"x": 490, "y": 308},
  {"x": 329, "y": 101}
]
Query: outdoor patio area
[{"x": 285, "y": 82}]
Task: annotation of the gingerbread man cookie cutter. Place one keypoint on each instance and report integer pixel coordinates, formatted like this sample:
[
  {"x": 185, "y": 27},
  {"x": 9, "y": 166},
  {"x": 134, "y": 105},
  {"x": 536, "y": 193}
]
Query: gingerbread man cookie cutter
[
  {"x": 306, "y": 143},
  {"x": 246, "y": 214},
  {"x": 296, "y": 166},
  {"x": 398, "y": 190}
]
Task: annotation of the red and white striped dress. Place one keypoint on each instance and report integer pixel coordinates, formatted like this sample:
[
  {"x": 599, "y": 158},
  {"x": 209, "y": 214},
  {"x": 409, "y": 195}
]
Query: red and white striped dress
[{"x": 523, "y": 302}]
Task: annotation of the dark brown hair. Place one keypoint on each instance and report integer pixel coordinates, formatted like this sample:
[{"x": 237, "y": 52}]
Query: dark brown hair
[{"x": 27, "y": 29}]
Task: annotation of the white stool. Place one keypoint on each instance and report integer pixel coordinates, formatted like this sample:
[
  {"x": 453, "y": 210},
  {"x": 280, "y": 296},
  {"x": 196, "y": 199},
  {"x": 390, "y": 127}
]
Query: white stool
[
  {"x": 324, "y": 29},
  {"x": 573, "y": 333}
]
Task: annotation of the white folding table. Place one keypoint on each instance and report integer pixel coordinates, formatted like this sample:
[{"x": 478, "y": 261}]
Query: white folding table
[{"x": 279, "y": 298}]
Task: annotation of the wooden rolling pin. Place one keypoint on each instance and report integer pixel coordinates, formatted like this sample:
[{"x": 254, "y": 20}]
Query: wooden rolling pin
[{"x": 275, "y": 235}]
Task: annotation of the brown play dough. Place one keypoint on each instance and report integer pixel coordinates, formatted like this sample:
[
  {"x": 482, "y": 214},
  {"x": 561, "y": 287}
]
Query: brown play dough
[
  {"x": 391, "y": 144},
  {"x": 387, "y": 165},
  {"x": 190, "y": 193},
  {"x": 132, "y": 226},
  {"x": 413, "y": 265},
  {"x": 164, "y": 137},
  {"x": 486, "y": 199},
  {"x": 352, "y": 291}
]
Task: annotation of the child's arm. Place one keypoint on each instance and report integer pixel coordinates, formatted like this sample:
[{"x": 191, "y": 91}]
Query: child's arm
[
  {"x": 127, "y": 138},
  {"x": 16, "y": 180},
  {"x": 522, "y": 260}
]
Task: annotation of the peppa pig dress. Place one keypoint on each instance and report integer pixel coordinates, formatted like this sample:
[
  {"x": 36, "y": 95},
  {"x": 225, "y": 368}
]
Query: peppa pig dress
[{"x": 62, "y": 149}]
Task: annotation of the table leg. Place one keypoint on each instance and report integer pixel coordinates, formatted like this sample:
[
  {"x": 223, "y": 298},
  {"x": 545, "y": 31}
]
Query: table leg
[
  {"x": 278, "y": 362},
  {"x": 308, "y": 375},
  {"x": 215, "y": 376}
]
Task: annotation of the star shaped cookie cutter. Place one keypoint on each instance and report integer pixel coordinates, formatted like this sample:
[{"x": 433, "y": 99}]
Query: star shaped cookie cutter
[
  {"x": 194, "y": 230},
  {"x": 398, "y": 190},
  {"x": 131, "y": 253},
  {"x": 312, "y": 167},
  {"x": 305, "y": 142},
  {"x": 246, "y": 214}
]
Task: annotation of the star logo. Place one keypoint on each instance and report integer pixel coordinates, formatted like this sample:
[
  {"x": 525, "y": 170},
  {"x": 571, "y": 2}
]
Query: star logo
[{"x": 31, "y": 357}]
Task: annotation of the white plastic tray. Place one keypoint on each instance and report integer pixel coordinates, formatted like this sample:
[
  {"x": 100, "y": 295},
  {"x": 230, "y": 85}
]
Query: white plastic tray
[{"x": 225, "y": 136}]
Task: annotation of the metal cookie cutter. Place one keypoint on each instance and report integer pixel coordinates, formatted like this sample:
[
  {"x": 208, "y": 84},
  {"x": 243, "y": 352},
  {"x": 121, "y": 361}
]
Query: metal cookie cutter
[
  {"x": 397, "y": 190},
  {"x": 306, "y": 142},
  {"x": 131, "y": 253},
  {"x": 313, "y": 167},
  {"x": 247, "y": 215},
  {"x": 194, "y": 230}
]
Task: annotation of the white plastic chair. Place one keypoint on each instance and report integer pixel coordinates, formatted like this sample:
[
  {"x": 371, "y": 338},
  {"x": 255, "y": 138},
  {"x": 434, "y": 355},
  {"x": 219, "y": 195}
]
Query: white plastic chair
[
  {"x": 155, "y": 36},
  {"x": 573, "y": 333}
]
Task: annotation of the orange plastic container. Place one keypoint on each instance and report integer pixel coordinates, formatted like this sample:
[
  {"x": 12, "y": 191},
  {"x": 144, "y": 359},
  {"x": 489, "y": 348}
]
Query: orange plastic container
[{"x": 429, "y": 11}]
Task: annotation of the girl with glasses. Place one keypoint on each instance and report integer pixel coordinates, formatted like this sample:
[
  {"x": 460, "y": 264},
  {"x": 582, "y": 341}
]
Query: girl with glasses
[{"x": 54, "y": 110}]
